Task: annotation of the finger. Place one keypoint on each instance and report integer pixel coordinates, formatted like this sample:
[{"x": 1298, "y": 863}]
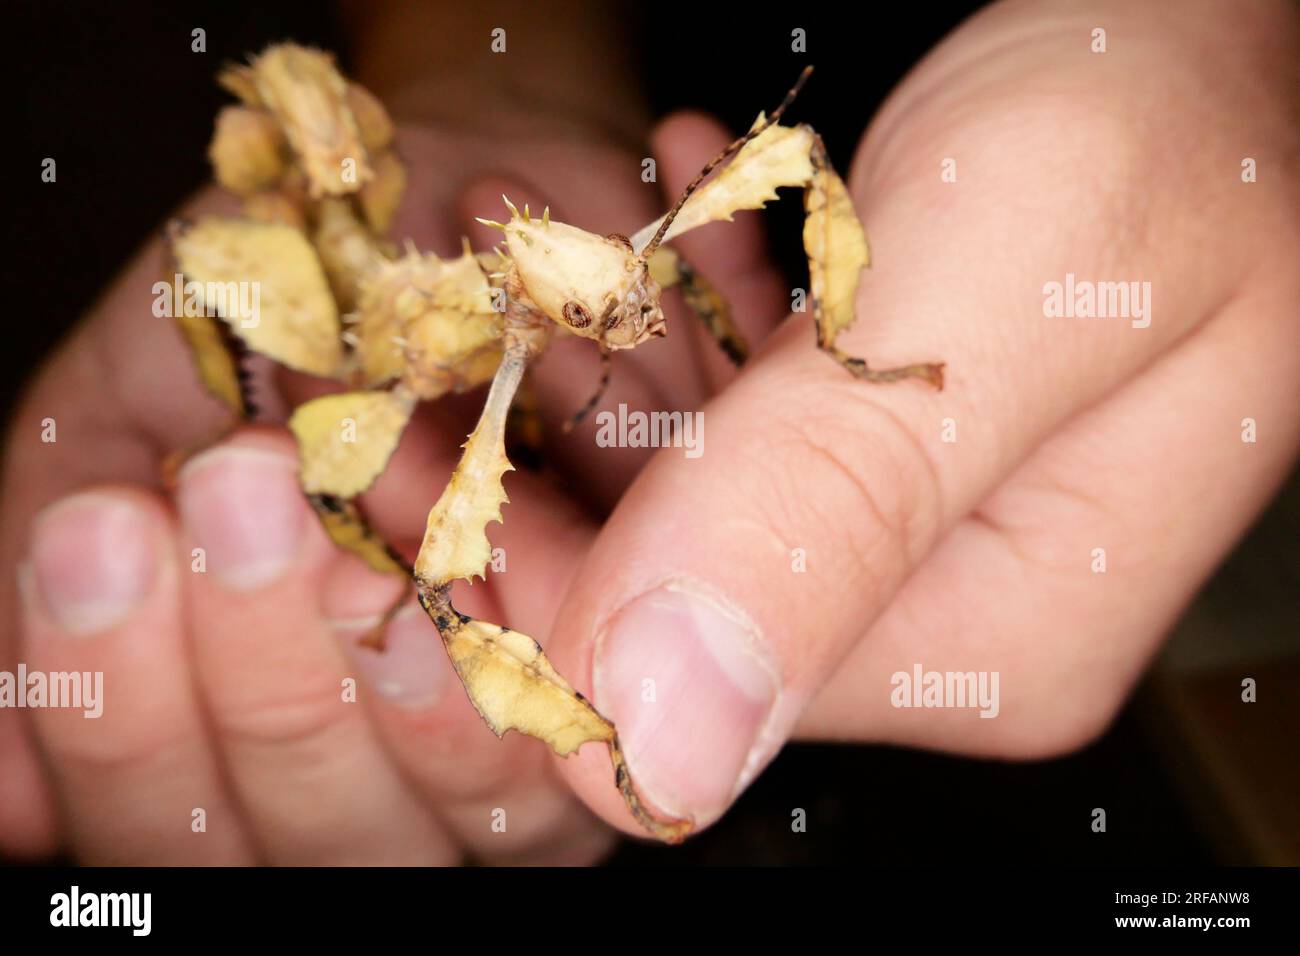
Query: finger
[
  {"x": 1067, "y": 636},
  {"x": 29, "y": 826},
  {"x": 733, "y": 256},
  {"x": 137, "y": 777},
  {"x": 726, "y": 588},
  {"x": 314, "y": 784},
  {"x": 92, "y": 415}
]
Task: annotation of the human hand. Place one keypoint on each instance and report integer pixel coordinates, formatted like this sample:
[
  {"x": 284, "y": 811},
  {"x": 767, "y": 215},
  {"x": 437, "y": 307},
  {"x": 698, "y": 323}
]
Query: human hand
[
  {"x": 272, "y": 663},
  {"x": 958, "y": 531}
]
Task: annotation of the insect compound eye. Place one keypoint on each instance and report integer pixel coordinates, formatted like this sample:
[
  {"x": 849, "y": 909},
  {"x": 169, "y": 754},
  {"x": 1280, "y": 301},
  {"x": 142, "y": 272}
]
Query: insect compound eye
[{"x": 576, "y": 314}]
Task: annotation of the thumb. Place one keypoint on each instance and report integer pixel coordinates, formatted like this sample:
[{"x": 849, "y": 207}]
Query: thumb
[{"x": 727, "y": 587}]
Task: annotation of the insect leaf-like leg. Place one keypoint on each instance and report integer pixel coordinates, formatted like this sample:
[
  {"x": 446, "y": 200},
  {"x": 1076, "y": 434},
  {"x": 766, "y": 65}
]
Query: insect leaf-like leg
[
  {"x": 837, "y": 252},
  {"x": 344, "y": 444},
  {"x": 506, "y": 674},
  {"x": 455, "y": 539},
  {"x": 513, "y": 686},
  {"x": 221, "y": 359},
  {"x": 669, "y": 268},
  {"x": 348, "y": 528}
]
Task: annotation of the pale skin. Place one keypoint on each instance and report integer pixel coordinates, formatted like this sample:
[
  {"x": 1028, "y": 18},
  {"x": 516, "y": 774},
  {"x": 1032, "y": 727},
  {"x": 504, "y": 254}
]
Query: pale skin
[{"x": 223, "y": 688}]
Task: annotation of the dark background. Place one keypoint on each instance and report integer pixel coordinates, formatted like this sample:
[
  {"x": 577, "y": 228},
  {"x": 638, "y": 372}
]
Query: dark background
[{"x": 114, "y": 93}]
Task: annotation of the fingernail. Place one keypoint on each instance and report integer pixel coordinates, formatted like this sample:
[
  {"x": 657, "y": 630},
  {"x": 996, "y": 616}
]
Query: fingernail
[
  {"x": 92, "y": 562},
  {"x": 412, "y": 670},
  {"x": 243, "y": 507},
  {"x": 690, "y": 687}
]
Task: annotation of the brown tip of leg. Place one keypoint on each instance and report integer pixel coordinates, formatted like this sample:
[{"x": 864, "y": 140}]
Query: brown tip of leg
[{"x": 669, "y": 831}]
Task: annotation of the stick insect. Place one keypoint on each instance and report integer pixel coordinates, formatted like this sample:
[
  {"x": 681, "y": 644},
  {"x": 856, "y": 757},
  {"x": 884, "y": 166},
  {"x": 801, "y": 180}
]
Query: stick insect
[{"x": 311, "y": 154}]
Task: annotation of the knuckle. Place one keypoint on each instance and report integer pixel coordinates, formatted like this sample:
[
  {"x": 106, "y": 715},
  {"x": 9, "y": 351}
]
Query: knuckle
[
  {"x": 856, "y": 473},
  {"x": 304, "y": 720},
  {"x": 111, "y": 749}
]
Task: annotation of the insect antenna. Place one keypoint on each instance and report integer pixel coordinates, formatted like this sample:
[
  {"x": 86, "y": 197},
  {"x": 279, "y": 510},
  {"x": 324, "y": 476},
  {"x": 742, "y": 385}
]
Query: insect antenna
[{"x": 722, "y": 157}]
